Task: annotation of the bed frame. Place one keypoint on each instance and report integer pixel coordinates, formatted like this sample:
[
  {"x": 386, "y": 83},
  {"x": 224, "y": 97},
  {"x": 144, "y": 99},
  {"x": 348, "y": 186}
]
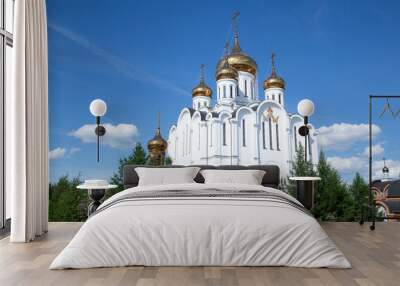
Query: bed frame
[{"x": 270, "y": 179}]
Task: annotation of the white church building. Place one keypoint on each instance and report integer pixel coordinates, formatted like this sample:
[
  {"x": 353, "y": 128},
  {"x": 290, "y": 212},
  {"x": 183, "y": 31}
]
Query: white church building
[{"x": 242, "y": 127}]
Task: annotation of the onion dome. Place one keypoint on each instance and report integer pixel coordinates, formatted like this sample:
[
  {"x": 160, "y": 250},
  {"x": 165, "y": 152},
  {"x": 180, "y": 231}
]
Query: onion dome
[
  {"x": 157, "y": 144},
  {"x": 202, "y": 89},
  {"x": 239, "y": 60},
  {"x": 274, "y": 80},
  {"x": 226, "y": 71}
]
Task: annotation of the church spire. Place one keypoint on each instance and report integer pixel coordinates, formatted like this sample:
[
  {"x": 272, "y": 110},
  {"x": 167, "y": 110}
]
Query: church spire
[
  {"x": 236, "y": 47},
  {"x": 202, "y": 74},
  {"x": 226, "y": 54},
  {"x": 273, "y": 57},
  {"x": 158, "y": 132}
]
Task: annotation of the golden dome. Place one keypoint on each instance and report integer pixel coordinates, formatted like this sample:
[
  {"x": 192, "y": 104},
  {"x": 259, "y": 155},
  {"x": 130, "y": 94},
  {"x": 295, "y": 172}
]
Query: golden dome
[
  {"x": 239, "y": 60},
  {"x": 226, "y": 72},
  {"x": 157, "y": 144},
  {"x": 274, "y": 80},
  {"x": 202, "y": 89}
]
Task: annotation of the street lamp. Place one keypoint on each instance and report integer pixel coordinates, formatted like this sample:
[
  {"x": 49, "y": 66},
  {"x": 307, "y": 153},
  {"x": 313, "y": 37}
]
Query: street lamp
[
  {"x": 305, "y": 109},
  {"x": 98, "y": 108},
  {"x": 305, "y": 184}
]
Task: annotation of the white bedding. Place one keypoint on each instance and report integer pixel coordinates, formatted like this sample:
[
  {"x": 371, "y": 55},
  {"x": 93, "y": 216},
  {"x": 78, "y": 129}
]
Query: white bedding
[{"x": 200, "y": 231}]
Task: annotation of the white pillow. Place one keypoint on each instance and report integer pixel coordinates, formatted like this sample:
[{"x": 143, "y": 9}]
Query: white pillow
[
  {"x": 166, "y": 176},
  {"x": 249, "y": 177}
]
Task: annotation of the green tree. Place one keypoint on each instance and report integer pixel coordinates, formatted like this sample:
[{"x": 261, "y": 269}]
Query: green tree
[
  {"x": 66, "y": 203},
  {"x": 359, "y": 190},
  {"x": 300, "y": 168},
  {"x": 168, "y": 161},
  {"x": 137, "y": 157},
  {"x": 333, "y": 201}
]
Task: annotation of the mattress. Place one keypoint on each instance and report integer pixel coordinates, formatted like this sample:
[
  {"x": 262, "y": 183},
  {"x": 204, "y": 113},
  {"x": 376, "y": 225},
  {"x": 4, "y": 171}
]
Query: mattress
[{"x": 201, "y": 225}]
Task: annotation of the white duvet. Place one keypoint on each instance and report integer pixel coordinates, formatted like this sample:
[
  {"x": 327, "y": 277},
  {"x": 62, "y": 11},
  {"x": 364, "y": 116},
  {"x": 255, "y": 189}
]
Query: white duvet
[{"x": 200, "y": 231}]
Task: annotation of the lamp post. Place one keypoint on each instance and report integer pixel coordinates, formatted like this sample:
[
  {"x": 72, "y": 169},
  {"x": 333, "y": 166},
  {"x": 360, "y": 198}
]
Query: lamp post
[
  {"x": 98, "y": 108},
  {"x": 305, "y": 185},
  {"x": 305, "y": 109}
]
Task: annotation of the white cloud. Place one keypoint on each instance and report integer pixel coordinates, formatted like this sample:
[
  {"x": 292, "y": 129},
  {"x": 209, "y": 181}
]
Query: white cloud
[
  {"x": 376, "y": 150},
  {"x": 119, "y": 136},
  {"x": 342, "y": 135},
  {"x": 348, "y": 164},
  {"x": 57, "y": 153},
  {"x": 72, "y": 151}
]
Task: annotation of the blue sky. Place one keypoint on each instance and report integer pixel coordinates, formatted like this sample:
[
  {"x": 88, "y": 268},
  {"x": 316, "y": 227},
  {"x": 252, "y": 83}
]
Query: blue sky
[{"x": 142, "y": 57}]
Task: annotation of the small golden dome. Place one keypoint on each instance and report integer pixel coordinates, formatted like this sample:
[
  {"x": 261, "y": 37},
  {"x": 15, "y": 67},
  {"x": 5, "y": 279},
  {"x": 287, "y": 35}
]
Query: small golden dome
[
  {"x": 274, "y": 80},
  {"x": 239, "y": 60},
  {"x": 158, "y": 143},
  {"x": 226, "y": 72},
  {"x": 202, "y": 89}
]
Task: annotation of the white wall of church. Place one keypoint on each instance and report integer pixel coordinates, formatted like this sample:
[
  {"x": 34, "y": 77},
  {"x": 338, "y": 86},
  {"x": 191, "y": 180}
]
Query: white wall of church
[{"x": 247, "y": 137}]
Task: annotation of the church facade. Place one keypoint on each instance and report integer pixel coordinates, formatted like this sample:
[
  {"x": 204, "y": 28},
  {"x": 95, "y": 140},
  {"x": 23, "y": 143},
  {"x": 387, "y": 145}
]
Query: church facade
[{"x": 242, "y": 127}]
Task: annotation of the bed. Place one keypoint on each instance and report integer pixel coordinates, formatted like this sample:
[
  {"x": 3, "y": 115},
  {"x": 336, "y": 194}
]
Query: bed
[{"x": 201, "y": 224}]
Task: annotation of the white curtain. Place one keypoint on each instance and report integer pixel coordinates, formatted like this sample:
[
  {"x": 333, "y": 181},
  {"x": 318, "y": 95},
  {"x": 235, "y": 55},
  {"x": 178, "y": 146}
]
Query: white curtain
[{"x": 27, "y": 122}]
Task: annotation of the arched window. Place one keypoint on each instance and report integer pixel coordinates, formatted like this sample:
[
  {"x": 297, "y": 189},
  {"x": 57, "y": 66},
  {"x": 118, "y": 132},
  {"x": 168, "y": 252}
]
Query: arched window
[
  {"x": 231, "y": 91},
  {"x": 198, "y": 142},
  {"x": 224, "y": 133},
  {"x": 210, "y": 134},
  {"x": 273, "y": 96},
  {"x": 237, "y": 90},
  {"x": 245, "y": 88},
  {"x": 263, "y": 135},
  {"x": 244, "y": 133},
  {"x": 187, "y": 139},
  {"x": 224, "y": 91},
  {"x": 270, "y": 134},
  {"x": 295, "y": 138},
  {"x": 205, "y": 104},
  {"x": 277, "y": 136},
  {"x": 198, "y": 105},
  {"x": 183, "y": 143},
  {"x": 219, "y": 93},
  {"x": 176, "y": 148},
  {"x": 251, "y": 90},
  {"x": 190, "y": 141},
  {"x": 280, "y": 99}
]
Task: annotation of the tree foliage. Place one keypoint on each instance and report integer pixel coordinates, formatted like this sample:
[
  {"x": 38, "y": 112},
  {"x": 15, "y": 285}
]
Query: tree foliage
[
  {"x": 334, "y": 199},
  {"x": 300, "y": 168},
  {"x": 359, "y": 190},
  {"x": 66, "y": 203}
]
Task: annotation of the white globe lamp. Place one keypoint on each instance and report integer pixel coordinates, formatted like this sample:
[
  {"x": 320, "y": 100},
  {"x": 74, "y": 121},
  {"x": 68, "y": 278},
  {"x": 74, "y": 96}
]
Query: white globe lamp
[
  {"x": 98, "y": 107},
  {"x": 305, "y": 108}
]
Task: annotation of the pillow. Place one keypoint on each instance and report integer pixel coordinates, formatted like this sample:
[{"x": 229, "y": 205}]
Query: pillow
[
  {"x": 249, "y": 177},
  {"x": 166, "y": 176}
]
